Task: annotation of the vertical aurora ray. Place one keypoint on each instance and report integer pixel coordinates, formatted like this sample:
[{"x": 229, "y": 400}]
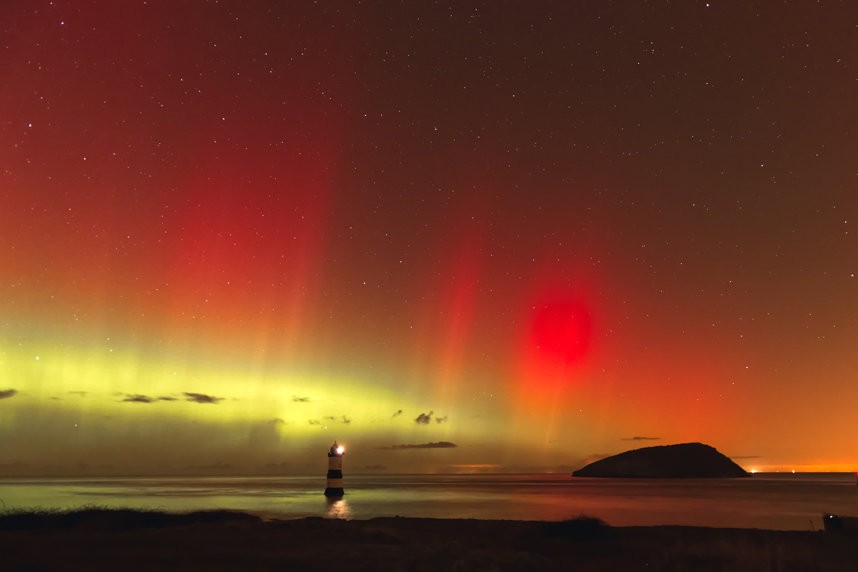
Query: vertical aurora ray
[
  {"x": 250, "y": 251},
  {"x": 457, "y": 307}
]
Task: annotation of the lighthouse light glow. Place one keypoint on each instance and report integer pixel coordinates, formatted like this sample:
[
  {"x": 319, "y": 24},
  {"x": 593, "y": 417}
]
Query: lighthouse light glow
[{"x": 341, "y": 450}]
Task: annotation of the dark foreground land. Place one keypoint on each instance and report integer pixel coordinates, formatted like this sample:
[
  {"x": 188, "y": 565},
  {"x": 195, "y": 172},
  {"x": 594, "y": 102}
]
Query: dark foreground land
[{"x": 135, "y": 540}]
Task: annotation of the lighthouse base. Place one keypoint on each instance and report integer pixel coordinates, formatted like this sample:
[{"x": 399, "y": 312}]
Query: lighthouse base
[{"x": 334, "y": 492}]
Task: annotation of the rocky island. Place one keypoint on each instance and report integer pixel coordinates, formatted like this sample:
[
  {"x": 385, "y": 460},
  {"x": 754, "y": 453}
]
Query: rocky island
[{"x": 683, "y": 461}]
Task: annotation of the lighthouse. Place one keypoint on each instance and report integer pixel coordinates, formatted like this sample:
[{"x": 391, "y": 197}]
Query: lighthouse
[{"x": 334, "y": 487}]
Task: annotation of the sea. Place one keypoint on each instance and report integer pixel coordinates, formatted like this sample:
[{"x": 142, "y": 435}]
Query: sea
[{"x": 782, "y": 501}]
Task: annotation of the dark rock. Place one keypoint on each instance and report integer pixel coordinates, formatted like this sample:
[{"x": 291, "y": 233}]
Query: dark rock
[{"x": 687, "y": 460}]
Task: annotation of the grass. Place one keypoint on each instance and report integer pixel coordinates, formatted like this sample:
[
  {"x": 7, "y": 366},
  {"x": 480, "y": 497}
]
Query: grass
[
  {"x": 96, "y": 538},
  {"x": 580, "y": 528},
  {"x": 111, "y": 519}
]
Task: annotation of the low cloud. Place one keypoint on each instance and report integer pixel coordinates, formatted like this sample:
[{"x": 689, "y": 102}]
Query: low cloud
[
  {"x": 433, "y": 445},
  {"x": 140, "y": 398},
  {"x": 300, "y": 399},
  {"x": 640, "y": 438},
  {"x": 314, "y": 422},
  {"x": 424, "y": 418},
  {"x": 345, "y": 420},
  {"x": 201, "y": 398},
  {"x": 7, "y": 393},
  {"x": 441, "y": 419},
  {"x": 398, "y": 413},
  {"x": 746, "y": 457}
]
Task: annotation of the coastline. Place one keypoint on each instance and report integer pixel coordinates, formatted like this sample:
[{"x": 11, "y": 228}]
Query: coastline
[
  {"x": 225, "y": 540},
  {"x": 786, "y": 502}
]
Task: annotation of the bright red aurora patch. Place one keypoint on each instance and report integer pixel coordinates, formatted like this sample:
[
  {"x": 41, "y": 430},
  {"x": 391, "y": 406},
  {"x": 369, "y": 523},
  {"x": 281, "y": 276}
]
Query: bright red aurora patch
[
  {"x": 558, "y": 343},
  {"x": 561, "y": 331}
]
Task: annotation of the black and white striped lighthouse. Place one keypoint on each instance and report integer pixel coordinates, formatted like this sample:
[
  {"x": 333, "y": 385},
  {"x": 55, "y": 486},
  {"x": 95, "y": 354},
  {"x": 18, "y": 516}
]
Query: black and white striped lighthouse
[{"x": 335, "y": 471}]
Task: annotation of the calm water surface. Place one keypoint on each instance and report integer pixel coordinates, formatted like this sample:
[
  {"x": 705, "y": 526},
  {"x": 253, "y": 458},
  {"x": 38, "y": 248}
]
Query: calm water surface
[{"x": 763, "y": 501}]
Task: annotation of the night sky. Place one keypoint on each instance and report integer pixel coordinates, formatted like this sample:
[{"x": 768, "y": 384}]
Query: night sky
[{"x": 231, "y": 232}]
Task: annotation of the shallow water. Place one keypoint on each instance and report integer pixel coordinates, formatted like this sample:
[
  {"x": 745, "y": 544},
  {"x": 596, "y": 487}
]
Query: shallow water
[{"x": 789, "y": 502}]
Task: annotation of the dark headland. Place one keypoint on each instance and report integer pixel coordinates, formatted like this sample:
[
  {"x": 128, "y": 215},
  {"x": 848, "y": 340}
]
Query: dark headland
[{"x": 684, "y": 461}]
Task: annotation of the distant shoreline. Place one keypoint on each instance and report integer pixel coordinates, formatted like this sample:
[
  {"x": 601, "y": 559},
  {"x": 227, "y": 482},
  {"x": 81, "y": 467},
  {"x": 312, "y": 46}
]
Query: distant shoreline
[
  {"x": 221, "y": 540},
  {"x": 351, "y": 474}
]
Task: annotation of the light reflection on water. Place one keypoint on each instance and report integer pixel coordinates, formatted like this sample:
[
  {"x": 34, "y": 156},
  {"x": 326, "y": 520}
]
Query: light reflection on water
[
  {"x": 338, "y": 508},
  {"x": 764, "y": 501}
]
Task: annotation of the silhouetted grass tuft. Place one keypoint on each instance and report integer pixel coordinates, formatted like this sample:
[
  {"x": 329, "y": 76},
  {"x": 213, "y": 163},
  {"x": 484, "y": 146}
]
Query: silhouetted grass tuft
[{"x": 579, "y": 528}]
